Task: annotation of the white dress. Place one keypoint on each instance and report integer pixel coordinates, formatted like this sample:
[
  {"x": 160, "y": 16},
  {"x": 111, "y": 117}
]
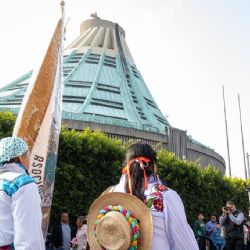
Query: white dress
[
  {"x": 171, "y": 230},
  {"x": 20, "y": 209}
]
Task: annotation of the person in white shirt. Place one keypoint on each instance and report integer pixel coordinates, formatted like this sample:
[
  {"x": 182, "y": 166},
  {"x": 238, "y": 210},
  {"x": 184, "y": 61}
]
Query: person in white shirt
[
  {"x": 80, "y": 242},
  {"x": 171, "y": 230},
  {"x": 20, "y": 203}
]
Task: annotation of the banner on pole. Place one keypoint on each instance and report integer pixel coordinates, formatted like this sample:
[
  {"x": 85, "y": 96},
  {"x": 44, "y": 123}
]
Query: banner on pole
[{"x": 39, "y": 120}]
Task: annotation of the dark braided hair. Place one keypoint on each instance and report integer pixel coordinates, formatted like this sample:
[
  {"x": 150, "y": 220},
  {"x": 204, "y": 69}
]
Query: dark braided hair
[{"x": 136, "y": 173}]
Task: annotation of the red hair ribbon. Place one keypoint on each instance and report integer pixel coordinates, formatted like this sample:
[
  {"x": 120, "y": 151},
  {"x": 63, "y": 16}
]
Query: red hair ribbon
[{"x": 141, "y": 161}]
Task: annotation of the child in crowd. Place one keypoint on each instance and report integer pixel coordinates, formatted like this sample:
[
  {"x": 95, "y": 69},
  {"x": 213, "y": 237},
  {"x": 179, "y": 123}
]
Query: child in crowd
[{"x": 218, "y": 240}]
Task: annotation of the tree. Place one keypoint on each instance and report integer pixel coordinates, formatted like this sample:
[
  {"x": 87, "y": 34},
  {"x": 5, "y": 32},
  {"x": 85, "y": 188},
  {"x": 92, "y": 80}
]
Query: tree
[{"x": 7, "y": 123}]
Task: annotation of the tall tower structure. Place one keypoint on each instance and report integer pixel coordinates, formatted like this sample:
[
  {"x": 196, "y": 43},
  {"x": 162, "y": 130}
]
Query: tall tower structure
[
  {"x": 102, "y": 86},
  {"x": 104, "y": 89},
  {"x": 103, "y": 83}
]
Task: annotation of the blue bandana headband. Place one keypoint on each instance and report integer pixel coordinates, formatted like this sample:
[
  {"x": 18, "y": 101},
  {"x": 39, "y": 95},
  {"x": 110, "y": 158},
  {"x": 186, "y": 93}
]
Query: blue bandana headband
[{"x": 12, "y": 147}]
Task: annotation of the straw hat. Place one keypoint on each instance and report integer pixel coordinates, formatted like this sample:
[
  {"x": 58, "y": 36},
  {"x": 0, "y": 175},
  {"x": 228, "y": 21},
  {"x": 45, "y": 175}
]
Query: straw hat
[{"x": 110, "y": 225}]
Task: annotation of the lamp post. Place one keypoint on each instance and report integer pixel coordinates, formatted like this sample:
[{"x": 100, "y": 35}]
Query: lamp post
[
  {"x": 242, "y": 140},
  {"x": 248, "y": 165},
  {"x": 248, "y": 188},
  {"x": 225, "y": 116},
  {"x": 248, "y": 192}
]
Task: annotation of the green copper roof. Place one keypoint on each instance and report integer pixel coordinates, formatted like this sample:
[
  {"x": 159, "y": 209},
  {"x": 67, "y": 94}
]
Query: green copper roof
[{"x": 99, "y": 86}]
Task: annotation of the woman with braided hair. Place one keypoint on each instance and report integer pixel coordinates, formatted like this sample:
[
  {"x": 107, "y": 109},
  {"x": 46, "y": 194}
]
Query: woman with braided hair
[
  {"x": 139, "y": 213},
  {"x": 170, "y": 227}
]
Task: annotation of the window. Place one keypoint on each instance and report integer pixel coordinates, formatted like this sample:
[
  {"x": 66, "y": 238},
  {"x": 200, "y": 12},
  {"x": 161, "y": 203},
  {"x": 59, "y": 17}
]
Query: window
[
  {"x": 109, "y": 65},
  {"x": 10, "y": 103},
  {"x": 79, "y": 84},
  {"x": 160, "y": 119},
  {"x": 110, "y": 57},
  {"x": 22, "y": 84},
  {"x": 106, "y": 116},
  {"x": 107, "y": 103},
  {"x": 150, "y": 103},
  {"x": 108, "y": 88},
  {"x": 93, "y": 58},
  {"x": 73, "y": 99},
  {"x": 92, "y": 62}
]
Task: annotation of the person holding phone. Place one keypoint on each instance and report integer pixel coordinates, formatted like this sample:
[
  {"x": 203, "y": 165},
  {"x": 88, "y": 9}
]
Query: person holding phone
[{"x": 233, "y": 219}]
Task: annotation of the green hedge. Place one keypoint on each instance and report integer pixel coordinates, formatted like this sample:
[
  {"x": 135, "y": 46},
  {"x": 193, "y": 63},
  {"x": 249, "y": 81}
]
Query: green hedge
[
  {"x": 89, "y": 162},
  {"x": 7, "y": 123},
  {"x": 202, "y": 190}
]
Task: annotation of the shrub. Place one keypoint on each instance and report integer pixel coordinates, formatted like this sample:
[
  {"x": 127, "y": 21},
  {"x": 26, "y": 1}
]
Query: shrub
[{"x": 89, "y": 162}]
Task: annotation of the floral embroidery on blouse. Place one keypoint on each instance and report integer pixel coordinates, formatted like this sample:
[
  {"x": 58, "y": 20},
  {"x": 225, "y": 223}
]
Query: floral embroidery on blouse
[{"x": 155, "y": 199}]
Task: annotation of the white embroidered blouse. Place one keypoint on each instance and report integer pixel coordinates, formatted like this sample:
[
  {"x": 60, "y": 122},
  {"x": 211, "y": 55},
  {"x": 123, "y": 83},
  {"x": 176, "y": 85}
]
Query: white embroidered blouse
[{"x": 171, "y": 230}]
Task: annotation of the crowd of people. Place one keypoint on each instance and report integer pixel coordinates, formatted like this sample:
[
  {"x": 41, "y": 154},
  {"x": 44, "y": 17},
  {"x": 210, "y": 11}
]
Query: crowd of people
[
  {"x": 211, "y": 235},
  {"x": 140, "y": 212},
  {"x": 230, "y": 231}
]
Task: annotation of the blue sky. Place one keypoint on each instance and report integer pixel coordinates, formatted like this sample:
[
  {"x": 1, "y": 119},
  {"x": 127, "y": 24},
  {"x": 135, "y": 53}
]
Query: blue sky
[{"x": 185, "y": 50}]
